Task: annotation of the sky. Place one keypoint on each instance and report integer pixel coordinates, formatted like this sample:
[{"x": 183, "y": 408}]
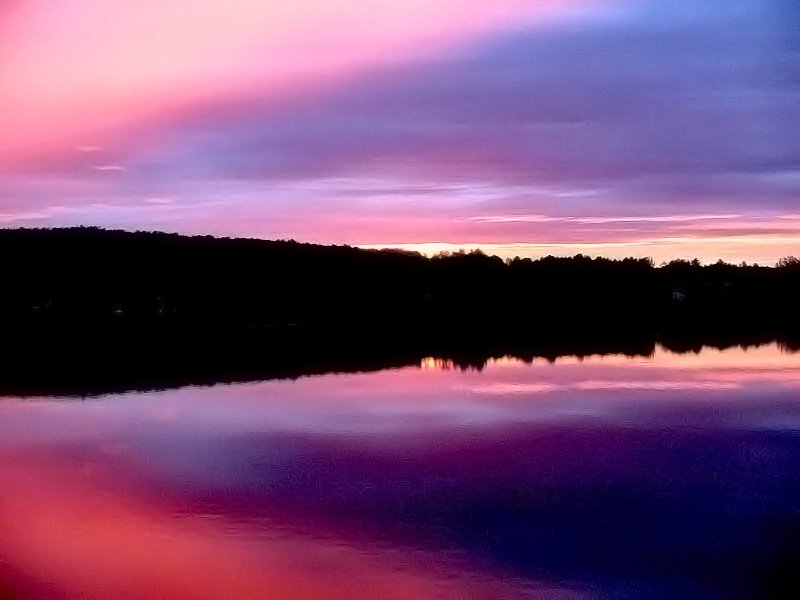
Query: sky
[{"x": 523, "y": 127}]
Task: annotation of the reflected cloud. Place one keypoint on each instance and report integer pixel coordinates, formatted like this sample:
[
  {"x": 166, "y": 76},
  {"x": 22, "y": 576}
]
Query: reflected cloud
[
  {"x": 503, "y": 389},
  {"x": 435, "y": 482},
  {"x": 660, "y": 386},
  {"x": 180, "y": 556}
]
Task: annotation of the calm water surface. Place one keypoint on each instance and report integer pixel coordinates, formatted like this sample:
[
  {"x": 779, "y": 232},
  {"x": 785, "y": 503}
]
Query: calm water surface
[{"x": 673, "y": 476}]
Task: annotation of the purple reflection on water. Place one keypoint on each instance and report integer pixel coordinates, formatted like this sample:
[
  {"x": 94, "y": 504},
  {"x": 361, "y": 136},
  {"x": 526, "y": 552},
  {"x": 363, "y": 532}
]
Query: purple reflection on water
[{"x": 672, "y": 476}]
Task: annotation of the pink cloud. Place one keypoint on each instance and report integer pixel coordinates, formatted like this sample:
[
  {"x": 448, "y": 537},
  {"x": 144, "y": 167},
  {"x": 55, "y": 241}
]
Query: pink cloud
[
  {"x": 426, "y": 125},
  {"x": 75, "y": 72}
]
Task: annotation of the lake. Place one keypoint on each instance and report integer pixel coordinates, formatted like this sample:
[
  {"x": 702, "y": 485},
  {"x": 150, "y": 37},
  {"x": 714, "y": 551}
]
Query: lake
[{"x": 663, "y": 476}]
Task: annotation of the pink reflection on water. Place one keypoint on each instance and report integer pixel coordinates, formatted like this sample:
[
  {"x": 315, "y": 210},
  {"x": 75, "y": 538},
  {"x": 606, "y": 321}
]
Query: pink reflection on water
[
  {"x": 72, "y": 529},
  {"x": 94, "y": 497}
]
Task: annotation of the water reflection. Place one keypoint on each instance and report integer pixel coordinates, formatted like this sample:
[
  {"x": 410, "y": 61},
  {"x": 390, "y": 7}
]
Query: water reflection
[{"x": 657, "y": 476}]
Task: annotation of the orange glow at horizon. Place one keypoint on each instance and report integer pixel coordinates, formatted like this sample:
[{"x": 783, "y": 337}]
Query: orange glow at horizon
[{"x": 764, "y": 250}]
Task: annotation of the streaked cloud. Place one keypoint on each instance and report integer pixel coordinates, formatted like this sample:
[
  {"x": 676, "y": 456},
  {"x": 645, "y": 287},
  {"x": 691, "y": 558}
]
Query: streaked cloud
[
  {"x": 109, "y": 168},
  {"x": 600, "y": 220}
]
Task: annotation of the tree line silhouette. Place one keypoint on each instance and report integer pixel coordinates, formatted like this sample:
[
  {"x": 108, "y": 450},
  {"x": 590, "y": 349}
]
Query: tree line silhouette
[
  {"x": 88, "y": 308},
  {"x": 87, "y": 277}
]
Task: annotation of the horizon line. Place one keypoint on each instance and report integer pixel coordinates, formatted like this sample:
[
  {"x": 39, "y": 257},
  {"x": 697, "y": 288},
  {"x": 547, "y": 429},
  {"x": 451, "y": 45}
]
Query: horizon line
[{"x": 434, "y": 248}]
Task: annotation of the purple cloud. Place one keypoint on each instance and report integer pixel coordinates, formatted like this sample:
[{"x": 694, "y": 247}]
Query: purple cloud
[
  {"x": 644, "y": 111},
  {"x": 696, "y": 103}
]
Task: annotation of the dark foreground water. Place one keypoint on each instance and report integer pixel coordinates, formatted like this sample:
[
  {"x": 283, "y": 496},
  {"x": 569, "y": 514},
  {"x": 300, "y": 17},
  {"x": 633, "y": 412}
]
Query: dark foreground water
[{"x": 674, "y": 476}]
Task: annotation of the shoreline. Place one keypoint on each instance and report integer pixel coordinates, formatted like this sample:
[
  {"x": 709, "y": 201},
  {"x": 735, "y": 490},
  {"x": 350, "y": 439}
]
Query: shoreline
[{"x": 87, "y": 364}]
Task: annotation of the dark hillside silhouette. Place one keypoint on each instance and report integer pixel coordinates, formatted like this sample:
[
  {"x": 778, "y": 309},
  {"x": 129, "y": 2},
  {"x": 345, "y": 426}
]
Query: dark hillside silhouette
[
  {"x": 114, "y": 304},
  {"x": 89, "y": 277},
  {"x": 86, "y": 278}
]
